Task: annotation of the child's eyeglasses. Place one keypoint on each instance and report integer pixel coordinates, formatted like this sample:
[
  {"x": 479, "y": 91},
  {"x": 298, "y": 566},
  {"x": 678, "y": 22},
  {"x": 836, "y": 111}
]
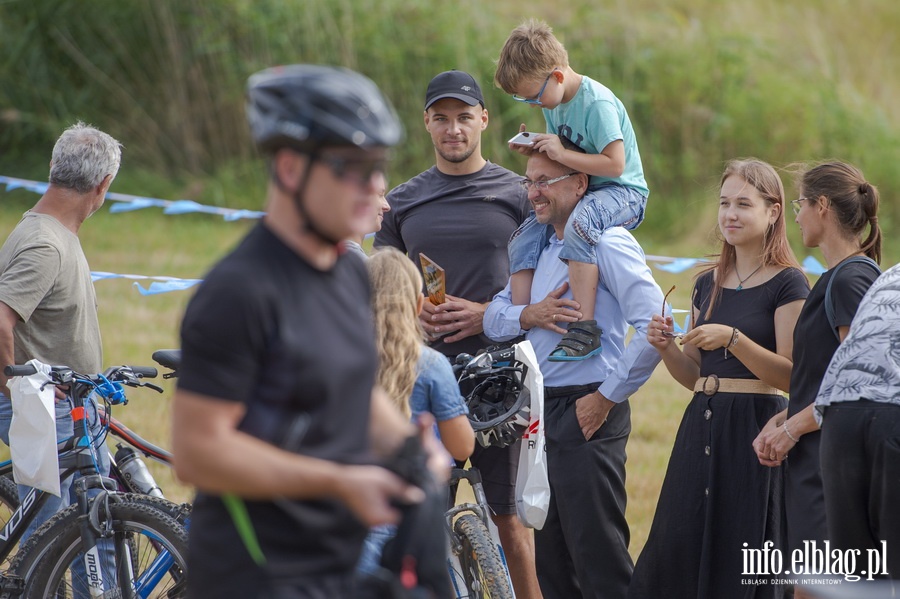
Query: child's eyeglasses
[{"x": 537, "y": 99}]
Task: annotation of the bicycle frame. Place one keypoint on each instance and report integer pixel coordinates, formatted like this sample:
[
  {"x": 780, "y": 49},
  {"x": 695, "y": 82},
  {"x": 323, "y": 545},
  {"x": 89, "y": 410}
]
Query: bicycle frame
[{"x": 14, "y": 529}]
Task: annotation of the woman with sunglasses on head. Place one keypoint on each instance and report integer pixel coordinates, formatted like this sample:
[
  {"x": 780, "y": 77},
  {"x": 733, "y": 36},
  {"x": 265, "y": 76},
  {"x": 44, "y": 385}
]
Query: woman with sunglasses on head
[
  {"x": 717, "y": 501},
  {"x": 836, "y": 206}
]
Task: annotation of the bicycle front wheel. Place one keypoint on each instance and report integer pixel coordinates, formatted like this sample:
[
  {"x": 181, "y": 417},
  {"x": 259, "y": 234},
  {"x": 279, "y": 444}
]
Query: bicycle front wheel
[
  {"x": 9, "y": 503},
  {"x": 145, "y": 556},
  {"x": 482, "y": 569}
]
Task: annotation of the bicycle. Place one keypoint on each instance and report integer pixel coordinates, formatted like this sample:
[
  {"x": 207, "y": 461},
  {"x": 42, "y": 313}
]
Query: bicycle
[
  {"x": 492, "y": 385},
  {"x": 9, "y": 497},
  {"x": 149, "y": 545}
]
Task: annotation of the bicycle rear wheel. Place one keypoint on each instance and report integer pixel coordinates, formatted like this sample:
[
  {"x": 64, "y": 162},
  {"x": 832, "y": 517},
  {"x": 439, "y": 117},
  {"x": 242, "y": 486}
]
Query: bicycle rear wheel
[
  {"x": 150, "y": 549},
  {"x": 482, "y": 570}
]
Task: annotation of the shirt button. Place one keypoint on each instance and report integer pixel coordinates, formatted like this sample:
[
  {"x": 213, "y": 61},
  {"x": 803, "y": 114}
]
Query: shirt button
[
  {"x": 707, "y": 450},
  {"x": 706, "y": 491},
  {"x": 707, "y": 414}
]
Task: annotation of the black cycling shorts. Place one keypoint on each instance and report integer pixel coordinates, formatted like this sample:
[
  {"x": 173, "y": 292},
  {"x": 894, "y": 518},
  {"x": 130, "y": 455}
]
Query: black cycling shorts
[{"x": 498, "y": 466}]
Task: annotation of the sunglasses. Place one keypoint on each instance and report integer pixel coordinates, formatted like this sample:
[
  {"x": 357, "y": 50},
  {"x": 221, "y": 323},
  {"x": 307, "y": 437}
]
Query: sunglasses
[
  {"x": 353, "y": 170},
  {"x": 663, "y": 312}
]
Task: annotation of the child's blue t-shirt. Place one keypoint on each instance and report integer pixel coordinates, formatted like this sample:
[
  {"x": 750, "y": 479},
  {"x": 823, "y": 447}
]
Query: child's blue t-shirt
[
  {"x": 592, "y": 120},
  {"x": 436, "y": 390}
]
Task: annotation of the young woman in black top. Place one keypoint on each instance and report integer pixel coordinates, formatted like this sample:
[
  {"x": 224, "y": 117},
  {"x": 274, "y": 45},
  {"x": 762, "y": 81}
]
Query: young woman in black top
[{"x": 716, "y": 498}]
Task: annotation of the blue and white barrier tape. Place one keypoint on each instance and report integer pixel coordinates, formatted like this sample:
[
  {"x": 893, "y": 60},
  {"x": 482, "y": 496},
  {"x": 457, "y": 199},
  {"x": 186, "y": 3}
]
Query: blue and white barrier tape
[{"x": 129, "y": 203}]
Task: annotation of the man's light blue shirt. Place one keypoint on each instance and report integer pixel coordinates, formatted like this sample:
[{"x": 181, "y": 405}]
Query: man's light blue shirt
[{"x": 627, "y": 295}]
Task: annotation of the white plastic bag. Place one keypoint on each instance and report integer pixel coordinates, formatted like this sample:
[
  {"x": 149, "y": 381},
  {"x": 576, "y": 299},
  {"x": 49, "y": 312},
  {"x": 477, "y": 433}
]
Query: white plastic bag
[
  {"x": 532, "y": 484},
  {"x": 32, "y": 433}
]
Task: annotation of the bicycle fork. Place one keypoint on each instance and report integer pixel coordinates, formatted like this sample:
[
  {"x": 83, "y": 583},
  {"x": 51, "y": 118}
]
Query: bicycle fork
[{"x": 96, "y": 530}]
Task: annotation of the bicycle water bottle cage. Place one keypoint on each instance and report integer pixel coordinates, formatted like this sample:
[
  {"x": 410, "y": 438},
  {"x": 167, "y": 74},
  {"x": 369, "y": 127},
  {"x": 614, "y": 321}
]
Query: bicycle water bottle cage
[
  {"x": 499, "y": 404},
  {"x": 113, "y": 392}
]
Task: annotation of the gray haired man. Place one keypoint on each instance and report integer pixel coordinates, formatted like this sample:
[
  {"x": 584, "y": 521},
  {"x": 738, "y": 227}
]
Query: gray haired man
[{"x": 48, "y": 309}]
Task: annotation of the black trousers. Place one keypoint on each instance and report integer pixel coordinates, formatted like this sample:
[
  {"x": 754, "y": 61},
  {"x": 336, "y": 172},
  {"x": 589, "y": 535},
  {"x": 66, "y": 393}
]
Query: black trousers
[
  {"x": 582, "y": 550},
  {"x": 861, "y": 476}
]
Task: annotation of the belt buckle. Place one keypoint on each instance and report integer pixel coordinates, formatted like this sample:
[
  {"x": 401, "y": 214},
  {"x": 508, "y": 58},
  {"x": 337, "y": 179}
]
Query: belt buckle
[{"x": 715, "y": 385}]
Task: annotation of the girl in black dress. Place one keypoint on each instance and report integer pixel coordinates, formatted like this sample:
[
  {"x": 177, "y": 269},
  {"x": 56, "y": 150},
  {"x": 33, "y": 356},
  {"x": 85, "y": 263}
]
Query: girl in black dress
[
  {"x": 717, "y": 500},
  {"x": 836, "y": 206}
]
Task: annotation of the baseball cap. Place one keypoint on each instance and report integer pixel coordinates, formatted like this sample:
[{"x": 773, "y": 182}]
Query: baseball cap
[{"x": 454, "y": 84}]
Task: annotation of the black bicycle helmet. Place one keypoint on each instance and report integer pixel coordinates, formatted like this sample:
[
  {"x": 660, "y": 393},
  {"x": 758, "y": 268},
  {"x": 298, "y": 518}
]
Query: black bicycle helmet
[
  {"x": 308, "y": 107},
  {"x": 499, "y": 403}
]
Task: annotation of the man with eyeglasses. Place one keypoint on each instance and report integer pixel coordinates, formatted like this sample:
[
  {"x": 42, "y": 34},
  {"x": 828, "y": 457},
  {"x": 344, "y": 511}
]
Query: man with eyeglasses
[
  {"x": 461, "y": 213},
  {"x": 275, "y": 402},
  {"x": 582, "y": 550}
]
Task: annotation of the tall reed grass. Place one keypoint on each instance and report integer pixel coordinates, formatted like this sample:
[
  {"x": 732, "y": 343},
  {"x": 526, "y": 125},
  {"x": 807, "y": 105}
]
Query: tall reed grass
[{"x": 704, "y": 80}]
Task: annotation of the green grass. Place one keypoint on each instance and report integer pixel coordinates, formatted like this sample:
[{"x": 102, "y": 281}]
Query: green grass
[{"x": 133, "y": 326}]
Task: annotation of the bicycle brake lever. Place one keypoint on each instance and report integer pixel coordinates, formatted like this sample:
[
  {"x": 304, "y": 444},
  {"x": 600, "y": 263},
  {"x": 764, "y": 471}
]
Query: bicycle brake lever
[{"x": 156, "y": 388}]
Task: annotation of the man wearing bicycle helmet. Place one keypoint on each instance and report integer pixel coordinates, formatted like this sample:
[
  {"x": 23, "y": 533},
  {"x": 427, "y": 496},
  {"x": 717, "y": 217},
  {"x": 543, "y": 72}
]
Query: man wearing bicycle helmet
[
  {"x": 274, "y": 403},
  {"x": 582, "y": 550},
  {"x": 460, "y": 213}
]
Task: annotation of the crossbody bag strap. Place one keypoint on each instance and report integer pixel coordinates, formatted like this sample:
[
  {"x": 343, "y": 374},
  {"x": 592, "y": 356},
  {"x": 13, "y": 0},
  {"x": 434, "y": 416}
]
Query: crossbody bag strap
[{"x": 829, "y": 303}]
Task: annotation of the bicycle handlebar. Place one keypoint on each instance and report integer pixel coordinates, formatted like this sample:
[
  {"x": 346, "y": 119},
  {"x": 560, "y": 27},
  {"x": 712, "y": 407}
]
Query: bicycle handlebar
[
  {"x": 23, "y": 370},
  {"x": 466, "y": 364},
  {"x": 145, "y": 372},
  {"x": 63, "y": 375}
]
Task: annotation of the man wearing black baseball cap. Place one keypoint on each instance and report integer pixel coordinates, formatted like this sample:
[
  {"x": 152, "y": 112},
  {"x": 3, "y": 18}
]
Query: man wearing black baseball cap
[
  {"x": 461, "y": 213},
  {"x": 458, "y": 85}
]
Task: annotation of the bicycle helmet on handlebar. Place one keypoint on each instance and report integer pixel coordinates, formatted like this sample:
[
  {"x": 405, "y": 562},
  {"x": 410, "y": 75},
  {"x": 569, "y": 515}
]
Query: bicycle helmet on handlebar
[
  {"x": 499, "y": 403},
  {"x": 309, "y": 107}
]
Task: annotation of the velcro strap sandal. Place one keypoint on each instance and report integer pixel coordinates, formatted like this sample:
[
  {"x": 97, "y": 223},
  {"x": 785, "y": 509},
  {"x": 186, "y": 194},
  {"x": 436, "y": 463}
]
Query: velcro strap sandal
[{"x": 580, "y": 342}]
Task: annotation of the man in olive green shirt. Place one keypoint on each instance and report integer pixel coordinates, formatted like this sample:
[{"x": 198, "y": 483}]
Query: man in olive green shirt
[{"x": 48, "y": 309}]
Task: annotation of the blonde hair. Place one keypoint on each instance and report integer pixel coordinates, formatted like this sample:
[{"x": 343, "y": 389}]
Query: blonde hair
[
  {"x": 396, "y": 288},
  {"x": 530, "y": 53},
  {"x": 776, "y": 249}
]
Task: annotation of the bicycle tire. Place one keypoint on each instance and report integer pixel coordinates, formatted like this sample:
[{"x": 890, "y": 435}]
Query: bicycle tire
[
  {"x": 24, "y": 565},
  {"x": 44, "y": 561},
  {"x": 483, "y": 571},
  {"x": 9, "y": 493},
  {"x": 9, "y": 503}
]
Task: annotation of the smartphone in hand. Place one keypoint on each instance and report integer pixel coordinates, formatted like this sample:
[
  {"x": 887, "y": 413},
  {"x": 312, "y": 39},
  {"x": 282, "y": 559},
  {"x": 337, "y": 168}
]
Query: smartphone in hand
[{"x": 525, "y": 138}]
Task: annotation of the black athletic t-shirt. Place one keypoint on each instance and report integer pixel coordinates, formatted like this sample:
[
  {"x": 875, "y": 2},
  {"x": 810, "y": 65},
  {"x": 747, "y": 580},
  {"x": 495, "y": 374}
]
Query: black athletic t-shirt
[
  {"x": 463, "y": 223},
  {"x": 296, "y": 345},
  {"x": 814, "y": 340}
]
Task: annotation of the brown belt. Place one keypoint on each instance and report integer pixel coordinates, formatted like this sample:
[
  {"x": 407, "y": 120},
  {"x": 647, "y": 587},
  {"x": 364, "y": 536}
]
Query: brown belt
[{"x": 710, "y": 385}]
